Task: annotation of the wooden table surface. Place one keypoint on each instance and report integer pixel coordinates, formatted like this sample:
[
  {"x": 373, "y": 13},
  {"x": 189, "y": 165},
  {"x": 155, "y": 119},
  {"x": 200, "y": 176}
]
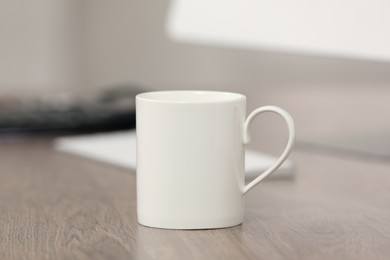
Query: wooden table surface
[{"x": 58, "y": 206}]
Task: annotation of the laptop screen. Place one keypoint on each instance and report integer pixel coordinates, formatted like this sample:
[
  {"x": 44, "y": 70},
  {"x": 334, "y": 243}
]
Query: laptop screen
[{"x": 347, "y": 29}]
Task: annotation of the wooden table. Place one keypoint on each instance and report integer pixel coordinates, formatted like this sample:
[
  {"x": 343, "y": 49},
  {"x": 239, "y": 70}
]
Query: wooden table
[{"x": 58, "y": 206}]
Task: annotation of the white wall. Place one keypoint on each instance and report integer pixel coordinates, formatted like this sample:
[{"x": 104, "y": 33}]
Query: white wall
[
  {"x": 127, "y": 42},
  {"x": 41, "y": 45},
  {"x": 56, "y": 45}
]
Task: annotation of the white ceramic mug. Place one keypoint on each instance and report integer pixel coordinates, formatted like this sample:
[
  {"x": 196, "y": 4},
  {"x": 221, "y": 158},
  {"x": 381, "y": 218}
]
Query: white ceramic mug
[{"x": 190, "y": 158}]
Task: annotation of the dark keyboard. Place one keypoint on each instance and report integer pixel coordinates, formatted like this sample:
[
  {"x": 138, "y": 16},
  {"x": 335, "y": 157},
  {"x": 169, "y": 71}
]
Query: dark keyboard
[{"x": 113, "y": 110}]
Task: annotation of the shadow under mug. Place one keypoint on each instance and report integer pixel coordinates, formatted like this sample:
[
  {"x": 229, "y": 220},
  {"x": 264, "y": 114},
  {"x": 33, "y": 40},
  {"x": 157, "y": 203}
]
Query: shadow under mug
[{"x": 190, "y": 158}]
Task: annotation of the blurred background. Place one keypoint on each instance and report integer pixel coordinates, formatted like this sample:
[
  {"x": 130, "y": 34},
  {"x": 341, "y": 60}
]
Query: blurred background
[{"x": 71, "y": 66}]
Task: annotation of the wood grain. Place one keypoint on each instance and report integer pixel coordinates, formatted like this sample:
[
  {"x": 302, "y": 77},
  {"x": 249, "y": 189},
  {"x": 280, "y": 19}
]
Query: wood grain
[{"x": 56, "y": 206}]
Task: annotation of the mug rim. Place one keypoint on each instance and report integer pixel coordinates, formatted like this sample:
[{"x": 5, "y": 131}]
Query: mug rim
[{"x": 190, "y": 96}]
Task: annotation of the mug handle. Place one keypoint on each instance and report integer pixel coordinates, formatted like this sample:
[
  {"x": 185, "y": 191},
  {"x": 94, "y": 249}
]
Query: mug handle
[{"x": 291, "y": 138}]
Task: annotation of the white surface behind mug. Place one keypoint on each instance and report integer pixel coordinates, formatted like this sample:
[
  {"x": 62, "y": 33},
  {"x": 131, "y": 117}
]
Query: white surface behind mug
[{"x": 190, "y": 158}]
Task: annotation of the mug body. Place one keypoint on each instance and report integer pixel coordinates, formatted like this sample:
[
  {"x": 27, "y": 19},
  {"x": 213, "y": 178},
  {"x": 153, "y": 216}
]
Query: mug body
[{"x": 190, "y": 159}]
